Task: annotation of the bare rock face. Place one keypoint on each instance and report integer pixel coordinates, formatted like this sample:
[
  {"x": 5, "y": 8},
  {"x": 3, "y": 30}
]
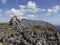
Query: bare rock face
[{"x": 15, "y": 23}]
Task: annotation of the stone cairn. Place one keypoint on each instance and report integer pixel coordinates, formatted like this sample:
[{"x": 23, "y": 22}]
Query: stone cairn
[{"x": 15, "y": 23}]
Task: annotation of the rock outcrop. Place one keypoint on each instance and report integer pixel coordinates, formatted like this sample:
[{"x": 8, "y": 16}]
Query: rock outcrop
[{"x": 27, "y": 37}]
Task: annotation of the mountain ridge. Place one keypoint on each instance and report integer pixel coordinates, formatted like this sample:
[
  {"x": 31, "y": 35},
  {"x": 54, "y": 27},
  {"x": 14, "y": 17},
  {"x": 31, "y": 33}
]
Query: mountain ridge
[{"x": 32, "y": 22}]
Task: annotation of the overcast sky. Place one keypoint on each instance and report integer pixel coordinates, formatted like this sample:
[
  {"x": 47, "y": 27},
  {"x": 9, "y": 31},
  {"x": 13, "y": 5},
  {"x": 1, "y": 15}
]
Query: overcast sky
[{"x": 46, "y": 10}]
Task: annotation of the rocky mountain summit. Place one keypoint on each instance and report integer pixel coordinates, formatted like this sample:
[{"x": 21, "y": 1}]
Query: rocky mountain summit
[{"x": 17, "y": 36}]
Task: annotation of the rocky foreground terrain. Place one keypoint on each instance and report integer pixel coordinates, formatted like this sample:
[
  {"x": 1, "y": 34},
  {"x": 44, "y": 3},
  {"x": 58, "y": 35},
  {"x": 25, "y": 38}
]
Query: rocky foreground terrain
[
  {"x": 12, "y": 34},
  {"x": 27, "y": 37}
]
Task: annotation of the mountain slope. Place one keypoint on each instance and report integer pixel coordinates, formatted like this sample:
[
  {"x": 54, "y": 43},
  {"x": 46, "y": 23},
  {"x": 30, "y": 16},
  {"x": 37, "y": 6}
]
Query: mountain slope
[{"x": 30, "y": 23}]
